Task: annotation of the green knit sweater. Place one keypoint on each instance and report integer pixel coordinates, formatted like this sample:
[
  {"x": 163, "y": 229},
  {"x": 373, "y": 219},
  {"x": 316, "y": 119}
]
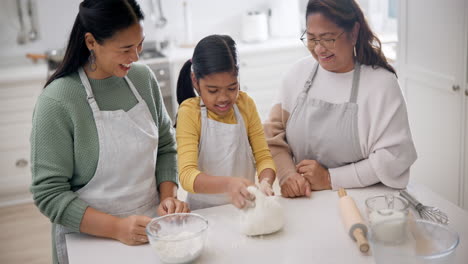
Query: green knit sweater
[{"x": 64, "y": 139}]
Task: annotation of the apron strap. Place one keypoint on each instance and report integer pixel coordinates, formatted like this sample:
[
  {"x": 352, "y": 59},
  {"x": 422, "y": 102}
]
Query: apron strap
[
  {"x": 355, "y": 87},
  {"x": 203, "y": 109},
  {"x": 90, "y": 94},
  {"x": 308, "y": 84},
  {"x": 311, "y": 78},
  {"x": 134, "y": 90}
]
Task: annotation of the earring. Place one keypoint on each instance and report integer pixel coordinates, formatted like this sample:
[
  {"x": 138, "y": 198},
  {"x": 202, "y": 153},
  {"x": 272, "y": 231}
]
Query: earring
[
  {"x": 355, "y": 54},
  {"x": 92, "y": 61}
]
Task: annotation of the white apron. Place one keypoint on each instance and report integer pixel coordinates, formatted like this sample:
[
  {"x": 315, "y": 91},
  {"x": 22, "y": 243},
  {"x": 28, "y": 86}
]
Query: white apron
[
  {"x": 124, "y": 183},
  {"x": 323, "y": 131},
  {"x": 224, "y": 150}
]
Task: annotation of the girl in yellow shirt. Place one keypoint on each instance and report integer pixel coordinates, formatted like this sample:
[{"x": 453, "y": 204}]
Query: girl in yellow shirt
[{"x": 220, "y": 138}]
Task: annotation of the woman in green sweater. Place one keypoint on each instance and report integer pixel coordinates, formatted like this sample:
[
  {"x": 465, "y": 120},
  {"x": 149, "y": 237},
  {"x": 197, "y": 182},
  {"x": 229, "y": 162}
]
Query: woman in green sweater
[{"x": 102, "y": 145}]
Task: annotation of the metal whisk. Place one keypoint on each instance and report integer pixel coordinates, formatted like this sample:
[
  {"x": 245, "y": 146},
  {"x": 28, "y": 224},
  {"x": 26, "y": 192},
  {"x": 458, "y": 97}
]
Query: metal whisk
[{"x": 426, "y": 212}]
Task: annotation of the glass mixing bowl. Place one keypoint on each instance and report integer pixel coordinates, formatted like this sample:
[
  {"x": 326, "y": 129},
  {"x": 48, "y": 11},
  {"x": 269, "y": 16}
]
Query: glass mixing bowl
[
  {"x": 177, "y": 238},
  {"x": 422, "y": 242}
]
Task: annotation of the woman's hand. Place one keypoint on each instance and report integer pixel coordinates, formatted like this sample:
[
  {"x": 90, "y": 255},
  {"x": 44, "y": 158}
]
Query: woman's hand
[
  {"x": 171, "y": 205},
  {"x": 237, "y": 190},
  {"x": 131, "y": 230},
  {"x": 317, "y": 176},
  {"x": 295, "y": 186}
]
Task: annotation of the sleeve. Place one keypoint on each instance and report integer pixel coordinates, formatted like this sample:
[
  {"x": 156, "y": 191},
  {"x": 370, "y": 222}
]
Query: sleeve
[
  {"x": 188, "y": 139},
  {"x": 52, "y": 164},
  {"x": 166, "y": 163},
  {"x": 390, "y": 149},
  {"x": 275, "y": 130},
  {"x": 261, "y": 152}
]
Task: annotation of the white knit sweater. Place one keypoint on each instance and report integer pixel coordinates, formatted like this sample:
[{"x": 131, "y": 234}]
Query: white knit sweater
[{"x": 384, "y": 132}]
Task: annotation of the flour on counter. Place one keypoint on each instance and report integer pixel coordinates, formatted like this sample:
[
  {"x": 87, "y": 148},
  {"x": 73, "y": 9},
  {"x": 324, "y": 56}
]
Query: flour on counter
[
  {"x": 266, "y": 217},
  {"x": 178, "y": 251}
]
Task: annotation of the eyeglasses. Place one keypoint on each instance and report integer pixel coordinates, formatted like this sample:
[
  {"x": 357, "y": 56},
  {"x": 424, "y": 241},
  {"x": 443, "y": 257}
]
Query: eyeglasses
[{"x": 326, "y": 43}]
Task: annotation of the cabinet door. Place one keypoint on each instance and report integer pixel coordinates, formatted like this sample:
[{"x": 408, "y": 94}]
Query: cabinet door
[
  {"x": 261, "y": 74},
  {"x": 431, "y": 73},
  {"x": 17, "y": 100},
  {"x": 465, "y": 177}
]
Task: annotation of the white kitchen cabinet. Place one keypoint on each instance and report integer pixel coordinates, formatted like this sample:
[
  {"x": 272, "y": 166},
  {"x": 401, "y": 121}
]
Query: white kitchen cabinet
[
  {"x": 18, "y": 96},
  {"x": 261, "y": 74},
  {"x": 432, "y": 68},
  {"x": 465, "y": 187}
]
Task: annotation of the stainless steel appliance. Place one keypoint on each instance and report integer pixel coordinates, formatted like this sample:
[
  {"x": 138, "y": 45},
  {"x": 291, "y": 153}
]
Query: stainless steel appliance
[
  {"x": 160, "y": 67},
  {"x": 159, "y": 64}
]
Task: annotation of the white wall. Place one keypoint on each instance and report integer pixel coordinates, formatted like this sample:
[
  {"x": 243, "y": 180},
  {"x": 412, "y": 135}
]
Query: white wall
[
  {"x": 56, "y": 17},
  {"x": 55, "y": 21}
]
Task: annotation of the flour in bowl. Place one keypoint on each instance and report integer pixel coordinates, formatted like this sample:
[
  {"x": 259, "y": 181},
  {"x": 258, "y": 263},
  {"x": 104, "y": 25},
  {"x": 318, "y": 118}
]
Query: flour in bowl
[{"x": 181, "y": 250}]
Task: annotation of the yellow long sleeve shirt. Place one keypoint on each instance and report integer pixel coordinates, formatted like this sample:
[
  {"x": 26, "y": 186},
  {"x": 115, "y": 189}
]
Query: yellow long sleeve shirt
[{"x": 188, "y": 133}]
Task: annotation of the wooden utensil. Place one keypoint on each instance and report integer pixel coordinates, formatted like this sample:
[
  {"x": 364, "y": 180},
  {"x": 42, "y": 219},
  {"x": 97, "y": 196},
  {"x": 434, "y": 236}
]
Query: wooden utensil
[
  {"x": 35, "y": 57},
  {"x": 353, "y": 221}
]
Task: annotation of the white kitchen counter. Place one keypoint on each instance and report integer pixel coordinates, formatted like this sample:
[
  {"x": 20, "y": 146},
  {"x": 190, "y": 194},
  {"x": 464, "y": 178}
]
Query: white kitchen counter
[
  {"x": 178, "y": 54},
  {"x": 27, "y": 71},
  {"x": 21, "y": 69},
  {"x": 313, "y": 233}
]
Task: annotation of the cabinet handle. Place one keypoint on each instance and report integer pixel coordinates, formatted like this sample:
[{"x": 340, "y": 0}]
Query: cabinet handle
[
  {"x": 466, "y": 91},
  {"x": 455, "y": 88},
  {"x": 21, "y": 163}
]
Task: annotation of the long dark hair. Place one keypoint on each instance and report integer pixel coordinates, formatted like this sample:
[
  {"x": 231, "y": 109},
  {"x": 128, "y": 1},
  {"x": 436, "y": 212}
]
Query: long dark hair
[
  {"x": 213, "y": 54},
  {"x": 102, "y": 18},
  {"x": 345, "y": 14}
]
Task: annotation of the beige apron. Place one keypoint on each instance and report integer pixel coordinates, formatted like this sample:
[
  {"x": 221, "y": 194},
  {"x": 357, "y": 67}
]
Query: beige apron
[
  {"x": 323, "y": 131},
  {"x": 124, "y": 183},
  {"x": 224, "y": 150}
]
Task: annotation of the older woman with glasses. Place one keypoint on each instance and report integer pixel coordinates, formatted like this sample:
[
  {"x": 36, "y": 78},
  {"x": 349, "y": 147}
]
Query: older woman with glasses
[{"x": 341, "y": 119}]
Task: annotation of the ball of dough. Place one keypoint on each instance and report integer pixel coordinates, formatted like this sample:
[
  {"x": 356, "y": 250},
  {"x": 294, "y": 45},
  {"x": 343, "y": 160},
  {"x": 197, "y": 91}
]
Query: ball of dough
[{"x": 266, "y": 217}]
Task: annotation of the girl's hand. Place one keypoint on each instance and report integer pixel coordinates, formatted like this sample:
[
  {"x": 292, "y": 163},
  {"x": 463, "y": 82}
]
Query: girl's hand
[
  {"x": 237, "y": 190},
  {"x": 266, "y": 179},
  {"x": 131, "y": 230},
  {"x": 265, "y": 187},
  {"x": 171, "y": 205}
]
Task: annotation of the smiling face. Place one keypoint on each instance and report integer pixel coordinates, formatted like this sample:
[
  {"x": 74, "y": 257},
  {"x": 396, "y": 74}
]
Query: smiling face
[
  {"x": 340, "y": 58},
  {"x": 115, "y": 56},
  {"x": 219, "y": 91}
]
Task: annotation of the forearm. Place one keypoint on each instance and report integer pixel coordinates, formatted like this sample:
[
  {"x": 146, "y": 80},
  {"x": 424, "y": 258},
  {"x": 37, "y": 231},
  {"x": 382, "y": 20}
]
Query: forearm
[
  {"x": 167, "y": 189},
  {"x": 268, "y": 175},
  {"x": 354, "y": 175},
  {"x": 275, "y": 133},
  {"x": 285, "y": 166},
  {"x": 99, "y": 224},
  {"x": 205, "y": 183}
]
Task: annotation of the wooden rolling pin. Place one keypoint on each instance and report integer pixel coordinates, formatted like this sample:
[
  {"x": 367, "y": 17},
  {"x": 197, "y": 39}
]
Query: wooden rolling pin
[{"x": 353, "y": 221}]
